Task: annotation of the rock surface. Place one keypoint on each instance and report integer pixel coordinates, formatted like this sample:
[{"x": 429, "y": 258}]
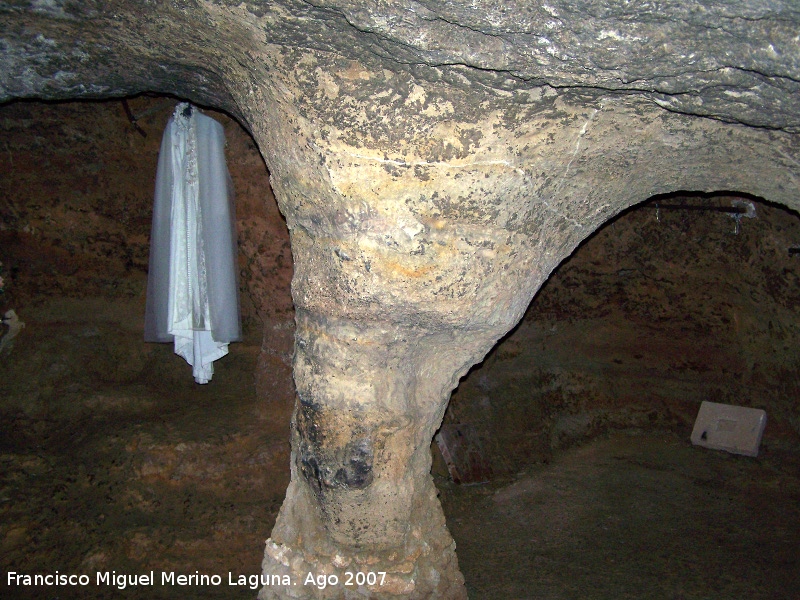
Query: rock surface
[
  {"x": 736, "y": 61},
  {"x": 434, "y": 162}
]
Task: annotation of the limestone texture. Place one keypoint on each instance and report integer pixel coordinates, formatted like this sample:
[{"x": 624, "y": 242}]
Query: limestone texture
[{"x": 434, "y": 163}]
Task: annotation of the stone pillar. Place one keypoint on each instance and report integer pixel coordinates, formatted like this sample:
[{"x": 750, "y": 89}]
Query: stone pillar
[
  {"x": 370, "y": 396},
  {"x": 405, "y": 275}
]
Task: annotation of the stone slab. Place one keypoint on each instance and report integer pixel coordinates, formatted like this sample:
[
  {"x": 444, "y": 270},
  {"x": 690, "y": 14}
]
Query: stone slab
[
  {"x": 735, "y": 429},
  {"x": 462, "y": 451}
]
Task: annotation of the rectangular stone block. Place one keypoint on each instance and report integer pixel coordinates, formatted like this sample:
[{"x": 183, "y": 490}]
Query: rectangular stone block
[
  {"x": 461, "y": 448},
  {"x": 735, "y": 429}
]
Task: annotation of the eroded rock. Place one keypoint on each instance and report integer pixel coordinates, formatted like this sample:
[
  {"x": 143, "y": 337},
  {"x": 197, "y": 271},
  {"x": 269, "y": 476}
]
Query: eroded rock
[{"x": 434, "y": 162}]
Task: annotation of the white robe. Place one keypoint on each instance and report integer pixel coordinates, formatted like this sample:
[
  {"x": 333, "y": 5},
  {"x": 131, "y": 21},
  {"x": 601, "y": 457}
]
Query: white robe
[{"x": 192, "y": 292}]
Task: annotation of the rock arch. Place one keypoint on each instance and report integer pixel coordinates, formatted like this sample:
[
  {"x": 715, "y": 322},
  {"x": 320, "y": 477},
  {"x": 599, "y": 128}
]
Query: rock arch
[
  {"x": 656, "y": 311},
  {"x": 638, "y": 326},
  {"x": 434, "y": 165},
  {"x": 420, "y": 351}
]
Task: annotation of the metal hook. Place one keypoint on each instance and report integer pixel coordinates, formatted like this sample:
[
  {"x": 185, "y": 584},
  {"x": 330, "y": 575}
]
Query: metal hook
[{"x": 132, "y": 118}]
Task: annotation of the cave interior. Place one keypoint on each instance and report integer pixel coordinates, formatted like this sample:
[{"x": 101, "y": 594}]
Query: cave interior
[{"x": 114, "y": 459}]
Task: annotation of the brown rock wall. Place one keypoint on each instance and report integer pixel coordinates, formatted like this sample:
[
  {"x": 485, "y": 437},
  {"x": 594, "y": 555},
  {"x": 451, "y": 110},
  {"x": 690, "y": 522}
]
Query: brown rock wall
[
  {"x": 653, "y": 314},
  {"x": 78, "y": 187},
  {"x": 113, "y": 458}
]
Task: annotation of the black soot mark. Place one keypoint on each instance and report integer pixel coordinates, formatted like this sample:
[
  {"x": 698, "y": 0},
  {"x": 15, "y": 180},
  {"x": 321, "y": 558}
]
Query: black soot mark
[
  {"x": 356, "y": 470},
  {"x": 347, "y": 467}
]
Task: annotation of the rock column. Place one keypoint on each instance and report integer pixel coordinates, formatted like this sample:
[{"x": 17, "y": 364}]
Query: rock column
[{"x": 405, "y": 275}]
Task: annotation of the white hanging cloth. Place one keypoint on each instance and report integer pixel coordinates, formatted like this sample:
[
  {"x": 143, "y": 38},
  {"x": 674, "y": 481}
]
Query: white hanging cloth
[{"x": 192, "y": 286}]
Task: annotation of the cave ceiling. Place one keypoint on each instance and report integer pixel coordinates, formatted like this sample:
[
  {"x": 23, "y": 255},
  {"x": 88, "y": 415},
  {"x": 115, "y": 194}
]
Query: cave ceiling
[{"x": 737, "y": 61}]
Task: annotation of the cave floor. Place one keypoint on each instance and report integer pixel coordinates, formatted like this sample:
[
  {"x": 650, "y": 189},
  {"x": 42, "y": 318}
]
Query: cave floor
[
  {"x": 112, "y": 459},
  {"x": 634, "y": 514}
]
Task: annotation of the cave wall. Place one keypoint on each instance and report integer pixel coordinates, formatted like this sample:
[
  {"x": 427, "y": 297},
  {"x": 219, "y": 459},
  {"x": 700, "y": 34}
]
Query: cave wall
[
  {"x": 75, "y": 224},
  {"x": 113, "y": 458},
  {"x": 656, "y": 312},
  {"x": 78, "y": 182}
]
